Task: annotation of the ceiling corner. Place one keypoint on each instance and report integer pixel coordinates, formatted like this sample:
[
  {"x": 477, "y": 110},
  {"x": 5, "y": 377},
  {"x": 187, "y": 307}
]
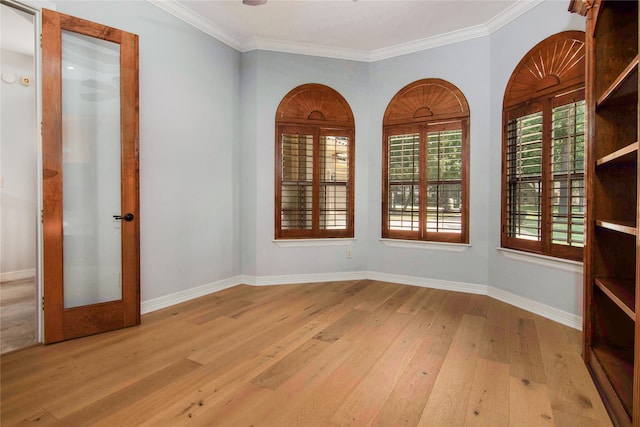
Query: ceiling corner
[
  {"x": 305, "y": 49},
  {"x": 191, "y": 18},
  {"x": 511, "y": 13},
  {"x": 430, "y": 42}
]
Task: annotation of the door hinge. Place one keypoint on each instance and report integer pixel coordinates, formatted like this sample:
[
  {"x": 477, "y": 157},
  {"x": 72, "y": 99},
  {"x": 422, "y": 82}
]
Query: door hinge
[
  {"x": 40, "y": 39},
  {"x": 42, "y": 302},
  {"x": 42, "y": 216}
]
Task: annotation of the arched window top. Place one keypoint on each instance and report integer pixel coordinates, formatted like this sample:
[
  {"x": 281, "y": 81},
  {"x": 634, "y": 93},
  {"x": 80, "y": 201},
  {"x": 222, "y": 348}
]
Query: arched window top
[
  {"x": 314, "y": 104},
  {"x": 554, "y": 64},
  {"x": 426, "y": 100}
]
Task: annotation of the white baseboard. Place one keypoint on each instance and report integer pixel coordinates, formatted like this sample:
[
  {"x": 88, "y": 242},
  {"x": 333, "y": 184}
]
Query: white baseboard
[
  {"x": 17, "y": 275},
  {"x": 289, "y": 279},
  {"x": 426, "y": 282},
  {"x": 568, "y": 319},
  {"x": 182, "y": 296}
]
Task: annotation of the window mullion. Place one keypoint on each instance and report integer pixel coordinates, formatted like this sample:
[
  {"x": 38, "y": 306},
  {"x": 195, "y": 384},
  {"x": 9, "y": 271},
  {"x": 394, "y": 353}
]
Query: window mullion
[
  {"x": 546, "y": 178},
  {"x": 315, "y": 199},
  {"x": 422, "y": 193}
]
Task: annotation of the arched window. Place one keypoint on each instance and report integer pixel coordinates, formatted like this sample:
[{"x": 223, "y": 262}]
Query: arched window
[
  {"x": 543, "y": 150},
  {"x": 314, "y": 164},
  {"x": 425, "y": 194}
]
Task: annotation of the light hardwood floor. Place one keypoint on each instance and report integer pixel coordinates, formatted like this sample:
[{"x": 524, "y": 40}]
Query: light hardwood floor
[
  {"x": 17, "y": 314},
  {"x": 328, "y": 354}
]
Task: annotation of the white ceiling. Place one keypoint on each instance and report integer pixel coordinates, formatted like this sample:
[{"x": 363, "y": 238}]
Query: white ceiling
[{"x": 362, "y": 30}]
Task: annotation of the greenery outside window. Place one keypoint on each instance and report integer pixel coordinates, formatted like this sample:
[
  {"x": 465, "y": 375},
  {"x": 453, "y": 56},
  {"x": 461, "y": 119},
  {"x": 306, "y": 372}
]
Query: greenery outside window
[
  {"x": 425, "y": 155},
  {"x": 543, "y": 150}
]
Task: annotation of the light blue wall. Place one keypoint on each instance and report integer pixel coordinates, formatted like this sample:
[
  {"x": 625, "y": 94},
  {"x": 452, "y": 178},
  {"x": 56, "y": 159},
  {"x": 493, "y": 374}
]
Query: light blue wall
[
  {"x": 480, "y": 68},
  {"x": 266, "y": 78},
  {"x": 557, "y": 288},
  {"x": 189, "y": 121},
  {"x": 207, "y": 154},
  {"x": 466, "y": 65}
]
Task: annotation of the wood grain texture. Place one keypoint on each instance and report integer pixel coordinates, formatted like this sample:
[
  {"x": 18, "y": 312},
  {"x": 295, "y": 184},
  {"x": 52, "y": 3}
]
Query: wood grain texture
[
  {"x": 305, "y": 355},
  {"x": 427, "y": 99},
  {"x": 553, "y": 65},
  {"x": 312, "y": 111},
  {"x": 61, "y": 323},
  {"x": 611, "y": 268},
  {"x": 422, "y": 108}
]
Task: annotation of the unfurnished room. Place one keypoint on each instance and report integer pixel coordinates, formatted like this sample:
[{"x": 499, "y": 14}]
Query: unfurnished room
[{"x": 319, "y": 213}]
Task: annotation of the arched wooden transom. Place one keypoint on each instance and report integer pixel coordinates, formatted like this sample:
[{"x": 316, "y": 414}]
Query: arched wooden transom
[
  {"x": 427, "y": 99},
  {"x": 314, "y": 103},
  {"x": 554, "y": 64}
]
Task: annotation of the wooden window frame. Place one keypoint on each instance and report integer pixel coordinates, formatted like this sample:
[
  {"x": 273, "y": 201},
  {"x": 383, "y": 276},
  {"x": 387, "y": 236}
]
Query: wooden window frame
[
  {"x": 522, "y": 98},
  {"x": 423, "y": 112},
  {"x": 316, "y": 110}
]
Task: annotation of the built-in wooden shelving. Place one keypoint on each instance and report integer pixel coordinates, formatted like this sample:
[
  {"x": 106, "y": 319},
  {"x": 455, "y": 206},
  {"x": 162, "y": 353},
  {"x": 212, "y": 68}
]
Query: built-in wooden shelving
[
  {"x": 611, "y": 289},
  {"x": 627, "y": 227},
  {"x": 623, "y": 89},
  {"x": 620, "y": 291},
  {"x": 628, "y": 153}
]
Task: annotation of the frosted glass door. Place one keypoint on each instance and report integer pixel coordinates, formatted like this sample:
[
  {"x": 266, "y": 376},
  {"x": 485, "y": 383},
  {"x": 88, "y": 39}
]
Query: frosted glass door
[{"x": 91, "y": 186}]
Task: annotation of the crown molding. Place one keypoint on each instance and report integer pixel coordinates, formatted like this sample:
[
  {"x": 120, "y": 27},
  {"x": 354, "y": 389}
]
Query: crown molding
[
  {"x": 234, "y": 41},
  {"x": 187, "y": 15},
  {"x": 510, "y": 14},
  {"x": 429, "y": 43},
  {"x": 305, "y": 49}
]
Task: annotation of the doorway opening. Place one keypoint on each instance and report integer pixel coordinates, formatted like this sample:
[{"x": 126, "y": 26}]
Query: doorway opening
[{"x": 18, "y": 179}]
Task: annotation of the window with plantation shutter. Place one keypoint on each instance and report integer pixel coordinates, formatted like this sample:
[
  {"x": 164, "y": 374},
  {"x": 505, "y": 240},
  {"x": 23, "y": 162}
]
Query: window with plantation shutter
[
  {"x": 314, "y": 164},
  {"x": 426, "y": 157},
  {"x": 543, "y": 150}
]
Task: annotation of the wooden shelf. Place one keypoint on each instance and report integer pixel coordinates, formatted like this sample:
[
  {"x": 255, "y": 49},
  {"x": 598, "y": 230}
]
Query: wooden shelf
[
  {"x": 616, "y": 378},
  {"x": 618, "y": 290},
  {"x": 625, "y": 154},
  {"x": 627, "y": 227},
  {"x": 612, "y": 254},
  {"x": 624, "y": 89}
]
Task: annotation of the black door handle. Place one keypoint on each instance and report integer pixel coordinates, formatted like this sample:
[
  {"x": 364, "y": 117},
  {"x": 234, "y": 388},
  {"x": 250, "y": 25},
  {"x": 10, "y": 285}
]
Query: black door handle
[{"x": 126, "y": 217}]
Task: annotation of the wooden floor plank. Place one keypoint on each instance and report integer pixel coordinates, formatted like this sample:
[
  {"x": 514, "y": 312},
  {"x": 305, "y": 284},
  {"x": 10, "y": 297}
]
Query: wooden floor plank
[
  {"x": 365, "y": 401},
  {"x": 345, "y": 323},
  {"x": 337, "y": 353},
  {"x": 220, "y": 308},
  {"x": 478, "y": 305},
  {"x": 211, "y": 386},
  {"x": 267, "y": 411},
  {"x": 90, "y": 414},
  {"x": 529, "y": 403},
  {"x": 283, "y": 370},
  {"x": 376, "y": 295},
  {"x": 450, "y": 395},
  {"x": 315, "y": 407},
  {"x": 416, "y": 381},
  {"x": 569, "y": 391},
  {"x": 494, "y": 344},
  {"x": 417, "y": 301},
  {"x": 489, "y": 399},
  {"x": 449, "y": 314},
  {"x": 524, "y": 350}
]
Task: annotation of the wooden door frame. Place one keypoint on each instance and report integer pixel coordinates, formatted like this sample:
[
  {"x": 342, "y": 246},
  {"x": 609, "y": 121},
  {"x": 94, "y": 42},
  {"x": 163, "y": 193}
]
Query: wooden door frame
[{"x": 65, "y": 323}]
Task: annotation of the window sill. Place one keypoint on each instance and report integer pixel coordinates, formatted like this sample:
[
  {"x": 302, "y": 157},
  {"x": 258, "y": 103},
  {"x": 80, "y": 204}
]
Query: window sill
[
  {"x": 294, "y": 243},
  {"x": 421, "y": 244},
  {"x": 544, "y": 260}
]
